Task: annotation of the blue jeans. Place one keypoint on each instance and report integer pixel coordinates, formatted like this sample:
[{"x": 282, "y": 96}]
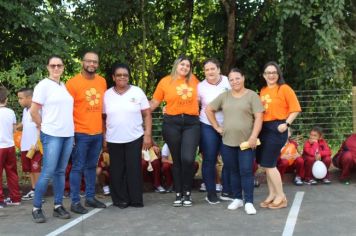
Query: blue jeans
[
  {"x": 240, "y": 165},
  {"x": 225, "y": 179},
  {"x": 84, "y": 160},
  {"x": 56, "y": 153},
  {"x": 210, "y": 147}
]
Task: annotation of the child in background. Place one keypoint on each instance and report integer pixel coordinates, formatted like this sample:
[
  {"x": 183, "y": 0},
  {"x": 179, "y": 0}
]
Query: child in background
[
  {"x": 7, "y": 152},
  {"x": 102, "y": 172},
  {"x": 167, "y": 165},
  {"x": 218, "y": 169},
  {"x": 316, "y": 148},
  {"x": 290, "y": 160},
  {"x": 151, "y": 167},
  {"x": 31, "y": 157},
  {"x": 345, "y": 159}
]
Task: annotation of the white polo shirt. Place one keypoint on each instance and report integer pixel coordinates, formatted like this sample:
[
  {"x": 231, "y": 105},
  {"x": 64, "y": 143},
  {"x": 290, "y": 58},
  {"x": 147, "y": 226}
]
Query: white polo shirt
[
  {"x": 7, "y": 122},
  {"x": 29, "y": 131},
  {"x": 57, "y": 108},
  {"x": 207, "y": 93},
  {"x": 124, "y": 121}
]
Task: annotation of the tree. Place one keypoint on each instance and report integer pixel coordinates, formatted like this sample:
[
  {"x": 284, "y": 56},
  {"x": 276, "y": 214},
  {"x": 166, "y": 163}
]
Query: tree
[{"x": 229, "y": 53}]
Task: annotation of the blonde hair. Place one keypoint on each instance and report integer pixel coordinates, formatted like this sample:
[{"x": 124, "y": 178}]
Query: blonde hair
[{"x": 175, "y": 65}]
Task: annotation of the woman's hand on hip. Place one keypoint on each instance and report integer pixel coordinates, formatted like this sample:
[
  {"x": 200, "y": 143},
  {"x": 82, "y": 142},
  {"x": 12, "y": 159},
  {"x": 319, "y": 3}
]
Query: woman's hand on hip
[
  {"x": 282, "y": 127},
  {"x": 219, "y": 129}
]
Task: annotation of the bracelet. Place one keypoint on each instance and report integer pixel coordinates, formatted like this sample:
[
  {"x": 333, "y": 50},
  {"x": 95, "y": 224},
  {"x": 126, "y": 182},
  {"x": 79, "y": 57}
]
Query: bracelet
[{"x": 288, "y": 125}]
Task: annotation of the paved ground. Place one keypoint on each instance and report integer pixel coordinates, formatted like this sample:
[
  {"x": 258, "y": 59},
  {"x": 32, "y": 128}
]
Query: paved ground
[{"x": 324, "y": 210}]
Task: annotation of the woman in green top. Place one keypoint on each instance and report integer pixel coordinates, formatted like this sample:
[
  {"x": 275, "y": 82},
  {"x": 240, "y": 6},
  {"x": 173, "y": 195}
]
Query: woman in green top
[{"x": 243, "y": 111}]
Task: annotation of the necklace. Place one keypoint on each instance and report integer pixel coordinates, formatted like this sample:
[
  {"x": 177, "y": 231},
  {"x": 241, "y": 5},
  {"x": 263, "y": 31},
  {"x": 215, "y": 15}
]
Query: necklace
[
  {"x": 57, "y": 82},
  {"x": 122, "y": 92}
]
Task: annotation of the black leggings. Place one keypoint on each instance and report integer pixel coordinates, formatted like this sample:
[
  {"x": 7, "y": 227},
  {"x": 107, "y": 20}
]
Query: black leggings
[
  {"x": 125, "y": 172},
  {"x": 182, "y": 133}
]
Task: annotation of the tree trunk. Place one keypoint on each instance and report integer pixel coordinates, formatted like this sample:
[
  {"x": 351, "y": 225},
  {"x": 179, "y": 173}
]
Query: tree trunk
[
  {"x": 229, "y": 52},
  {"x": 189, "y": 8},
  {"x": 253, "y": 26},
  {"x": 143, "y": 57}
]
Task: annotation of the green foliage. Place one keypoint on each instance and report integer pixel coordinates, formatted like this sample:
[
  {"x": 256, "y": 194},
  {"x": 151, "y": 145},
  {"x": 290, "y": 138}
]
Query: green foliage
[
  {"x": 311, "y": 43},
  {"x": 313, "y": 40},
  {"x": 15, "y": 79}
]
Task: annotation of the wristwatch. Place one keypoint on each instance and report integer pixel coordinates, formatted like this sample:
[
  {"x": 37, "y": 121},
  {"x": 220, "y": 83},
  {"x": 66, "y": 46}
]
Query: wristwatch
[{"x": 288, "y": 125}]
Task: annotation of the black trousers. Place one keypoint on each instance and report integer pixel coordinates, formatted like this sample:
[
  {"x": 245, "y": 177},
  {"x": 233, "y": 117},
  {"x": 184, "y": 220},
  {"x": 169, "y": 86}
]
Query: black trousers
[
  {"x": 182, "y": 133},
  {"x": 125, "y": 172}
]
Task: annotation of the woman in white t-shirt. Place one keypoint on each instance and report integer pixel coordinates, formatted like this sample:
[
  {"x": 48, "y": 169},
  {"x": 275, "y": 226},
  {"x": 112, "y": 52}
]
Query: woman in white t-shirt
[
  {"x": 52, "y": 111},
  {"x": 210, "y": 140},
  {"x": 126, "y": 109}
]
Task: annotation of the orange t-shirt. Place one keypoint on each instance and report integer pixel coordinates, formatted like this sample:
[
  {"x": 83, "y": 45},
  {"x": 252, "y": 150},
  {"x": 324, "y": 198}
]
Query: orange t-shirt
[
  {"x": 290, "y": 149},
  {"x": 88, "y": 103},
  {"x": 181, "y": 98},
  {"x": 279, "y": 102}
]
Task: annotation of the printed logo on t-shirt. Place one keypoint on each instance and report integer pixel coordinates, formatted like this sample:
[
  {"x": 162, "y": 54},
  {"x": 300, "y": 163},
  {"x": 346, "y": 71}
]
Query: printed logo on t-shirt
[
  {"x": 133, "y": 100},
  {"x": 92, "y": 96},
  {"x": 266, "y": 99},
  {"x": 35, "y": 165},
  {"x": 184, "y": 91}
]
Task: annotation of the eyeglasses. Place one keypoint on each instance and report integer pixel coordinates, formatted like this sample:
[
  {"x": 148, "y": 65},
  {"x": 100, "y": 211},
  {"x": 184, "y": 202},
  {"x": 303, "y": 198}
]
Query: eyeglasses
[
  {"x": 53, "y": 66},
  {"x": 121, "y": 75},
  {"x": 270, "y": 73},
  {"x": 95, "y": 62}
]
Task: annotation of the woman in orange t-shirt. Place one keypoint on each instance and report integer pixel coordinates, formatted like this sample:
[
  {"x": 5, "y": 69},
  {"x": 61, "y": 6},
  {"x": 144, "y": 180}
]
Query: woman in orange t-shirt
[
  {"x": 281, "y": 108},
  {"x": 181, "y": 126}
]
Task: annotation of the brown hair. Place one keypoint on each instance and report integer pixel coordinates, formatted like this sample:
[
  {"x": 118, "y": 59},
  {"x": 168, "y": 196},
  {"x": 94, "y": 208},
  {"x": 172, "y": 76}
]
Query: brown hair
[
  {"x": 318, "y": 129},
  {"x": 3, "y": 94},
  {"x": 280, "y": 80},
  {"x": 175, "y": 65}
]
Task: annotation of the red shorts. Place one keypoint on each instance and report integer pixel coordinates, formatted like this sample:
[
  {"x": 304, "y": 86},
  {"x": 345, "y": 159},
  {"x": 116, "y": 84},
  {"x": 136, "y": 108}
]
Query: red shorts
[{"x": 31, "y": 165}]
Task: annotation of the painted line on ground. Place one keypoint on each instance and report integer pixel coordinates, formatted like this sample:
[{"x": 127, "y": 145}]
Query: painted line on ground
[
  {"x": 293, "y": 214},
  {"x": 77, "y": 221}
]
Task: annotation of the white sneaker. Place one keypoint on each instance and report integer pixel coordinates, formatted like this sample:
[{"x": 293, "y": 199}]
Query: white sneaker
[
  {"x": 9, "y": 202},
  {"x": 218, "y": 187},
  {"x": 29, "y": 196},
  {"x": 250, "y": 209},
  {"x": 160, "y": 189},
  {"x": 106, "y": 190},
  {"x": 202, "y": 188},
  {"x": 236, "y": 203}
]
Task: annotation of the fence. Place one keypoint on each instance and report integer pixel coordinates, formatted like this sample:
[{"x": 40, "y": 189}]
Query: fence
[{"x": 329, "y": 109}]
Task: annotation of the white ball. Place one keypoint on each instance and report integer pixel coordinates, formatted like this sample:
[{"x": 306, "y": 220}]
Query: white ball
[{"x": 319, "y": 170}]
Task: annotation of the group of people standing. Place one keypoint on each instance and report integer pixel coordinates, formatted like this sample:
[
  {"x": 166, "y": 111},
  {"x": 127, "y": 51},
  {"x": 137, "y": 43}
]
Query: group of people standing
[
  {"x": 82, "y": 117},
  {"x": 231, "y": 115}
]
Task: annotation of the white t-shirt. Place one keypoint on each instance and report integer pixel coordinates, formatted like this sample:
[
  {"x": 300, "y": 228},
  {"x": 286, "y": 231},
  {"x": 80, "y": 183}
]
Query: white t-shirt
[
  {"x": 165, "y": 150},
  {"x": 7, "y": 122},
  {"x": 29, "y": 131},
  {"x": 123, "y": 114},
  {"x": 207, "y": 93},
  {"x": 57, "y": 108}
]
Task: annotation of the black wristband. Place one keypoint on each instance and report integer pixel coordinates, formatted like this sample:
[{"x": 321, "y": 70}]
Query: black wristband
[{"x": 288, "y": 125}]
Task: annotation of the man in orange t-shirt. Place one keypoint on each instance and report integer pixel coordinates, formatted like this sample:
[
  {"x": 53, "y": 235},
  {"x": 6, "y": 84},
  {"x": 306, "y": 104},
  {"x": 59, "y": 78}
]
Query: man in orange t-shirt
[{"x": 87, "y": 89}]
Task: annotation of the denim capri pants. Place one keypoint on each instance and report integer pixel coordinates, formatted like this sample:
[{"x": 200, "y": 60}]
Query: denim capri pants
[{"x": 272, "y": 141}]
